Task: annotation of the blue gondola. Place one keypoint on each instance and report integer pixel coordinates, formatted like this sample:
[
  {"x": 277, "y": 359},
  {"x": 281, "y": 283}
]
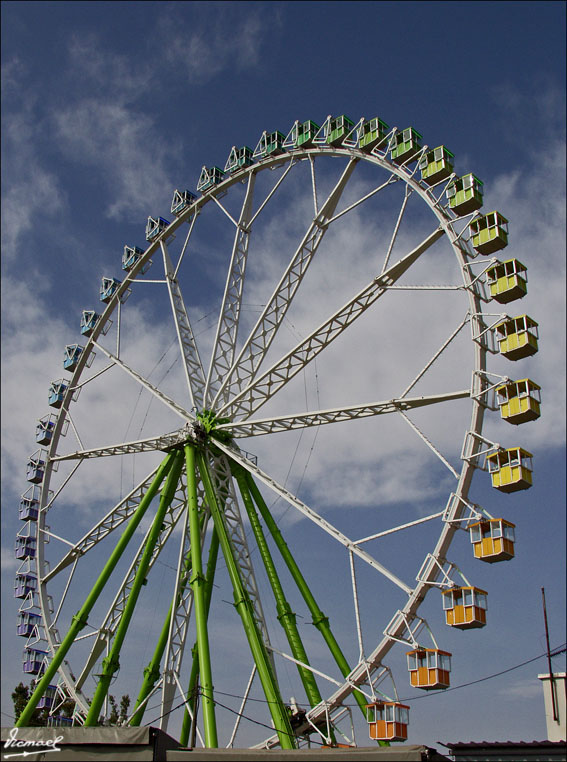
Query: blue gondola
[
  {"x": 44, "y": 429},
  {"x": 88, "y": 322},
  {"x": 181, "y": 200},
  {"x": 108, "y": 287},
  {"x": 33, "y": 661},
  {"x": 29, "y": 505},
  {"x": 58, "y": 721},
  {"x": 24, "y": 585},
  {"x": 154, "y": 227},
  {"x": 28, "y": 623},
  {"x": 131, "y": 256},
  {"x": 25, "y": 547},
  {"x": 36, "y": 467},
  {"x": 72, "y": 354},
  {"x": 48, "y": 698},
  {"x": 56, "y": 393}
]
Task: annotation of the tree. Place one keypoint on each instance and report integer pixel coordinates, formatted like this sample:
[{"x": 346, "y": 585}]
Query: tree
[
  {"x": 22, "y": 693},
  {"x": 124, "y": 704},
  {"x": 20, "y": 698},
  {"x": 118, "y": 717}
]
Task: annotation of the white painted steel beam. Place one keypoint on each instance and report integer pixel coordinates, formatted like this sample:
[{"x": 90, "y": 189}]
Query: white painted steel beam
[{"x": 256, "y": 427}]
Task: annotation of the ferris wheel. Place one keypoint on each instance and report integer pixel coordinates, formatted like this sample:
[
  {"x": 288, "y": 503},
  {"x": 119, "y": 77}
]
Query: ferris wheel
[{"x": 338, "y": 274}]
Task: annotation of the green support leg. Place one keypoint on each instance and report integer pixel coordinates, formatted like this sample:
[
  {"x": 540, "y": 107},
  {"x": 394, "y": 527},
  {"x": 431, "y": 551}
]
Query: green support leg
[
  {"x": 198, "y": 583},
  {"x": 285, "y": 615},
  {"x": 244, "y": 607},
  {"x": 320, "y": 621},
  {"x": 152, "y": 671},
  {"x": 191, "y": 693},
  {"x": 111, "y": 663},
  {"x": 80, "y": 619}
]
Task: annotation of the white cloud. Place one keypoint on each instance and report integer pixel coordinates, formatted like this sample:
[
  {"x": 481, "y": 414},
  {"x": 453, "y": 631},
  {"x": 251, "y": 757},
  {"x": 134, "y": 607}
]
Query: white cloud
[
  {"x": 523, "y": 689},
  {"x": 117, "y": 76},
  {"x": 30, "y": 192},
  {"x": 12, "y": 71},
  {"x": 123, "y": 148},
  {"x": 534, "y": 203},
  {"x": 32, "y": 357},
  {"x": 219, "y": 42},
  {"x": 8, "y": 561},
  {"x": 104, "y": 127}
]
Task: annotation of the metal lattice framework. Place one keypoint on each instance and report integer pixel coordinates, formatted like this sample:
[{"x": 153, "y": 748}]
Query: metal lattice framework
[{"x": 195, "y": 421}]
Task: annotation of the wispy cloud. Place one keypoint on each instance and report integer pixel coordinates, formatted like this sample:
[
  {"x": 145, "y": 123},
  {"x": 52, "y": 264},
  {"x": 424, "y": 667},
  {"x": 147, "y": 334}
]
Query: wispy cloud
[
  {"x": 96, "y": 70},
  {"x": 218, "y": 42},
  {"x": 533, "y": 200},
  {"x": 106, "y": 129},
  {"x": 32, "y": 356},
  {"x": 522, "y": 689},
  {"x": 30, "y": 191},
  {"x": 8, "y": 562},
  {"x": 123, "y": 149}
]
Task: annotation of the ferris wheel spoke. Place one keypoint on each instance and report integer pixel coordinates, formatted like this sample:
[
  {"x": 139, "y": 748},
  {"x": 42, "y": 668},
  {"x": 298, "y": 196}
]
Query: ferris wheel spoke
[
  {"x": 261, "y": 426},
  {"x": 430, "y": 444},
  {"x": 63, "y": 597},
  {"x": 306, "y": 666},
  {"x": 291, "y": 163},
  {"x": 194, "y": 373},
  {"x": 127, "y": 448},
  {"x": 240, "y": 713},
  {"x": 146, "y": 384},
  {"x": 267, "y": 384},
  {"x": 265, "y": 330},
  {"x": 191, "y": 224},
  {"x": 52, "y": 497},
  {"x": 227, "y": 330},
  {"x": 400, "y": 527},
  {"x": 436, "y": 355},
  {"x": 392, "y": 179},
  {"x": 312, "y": 515},
  {"x": 314, "y": 185},
  {"x": 74, "y": 429},
  {"x": 407, "y": 194}
]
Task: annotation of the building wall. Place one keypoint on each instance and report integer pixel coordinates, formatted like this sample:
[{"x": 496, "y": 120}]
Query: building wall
[{"x": 556, "y": 728}]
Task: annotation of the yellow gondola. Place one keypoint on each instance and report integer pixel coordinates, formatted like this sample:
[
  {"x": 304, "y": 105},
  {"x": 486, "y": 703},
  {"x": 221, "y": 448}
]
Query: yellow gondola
[
  {"x": 519, "y": 401},
  {"x": 465, "y": 607},
  {"x": 489, "y": 233},
  {"x": 493, "y": 540},
  {"x": 507, "y": 281},
  {"x": 517, "y": 337},
  {"x": 429, "y": 668},
  {"x": 387, "y": 720},
  {"x": 510, "y": 470}
]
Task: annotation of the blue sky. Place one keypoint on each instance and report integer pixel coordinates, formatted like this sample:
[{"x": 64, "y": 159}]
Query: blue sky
[{"x": 108, "y": 107}]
